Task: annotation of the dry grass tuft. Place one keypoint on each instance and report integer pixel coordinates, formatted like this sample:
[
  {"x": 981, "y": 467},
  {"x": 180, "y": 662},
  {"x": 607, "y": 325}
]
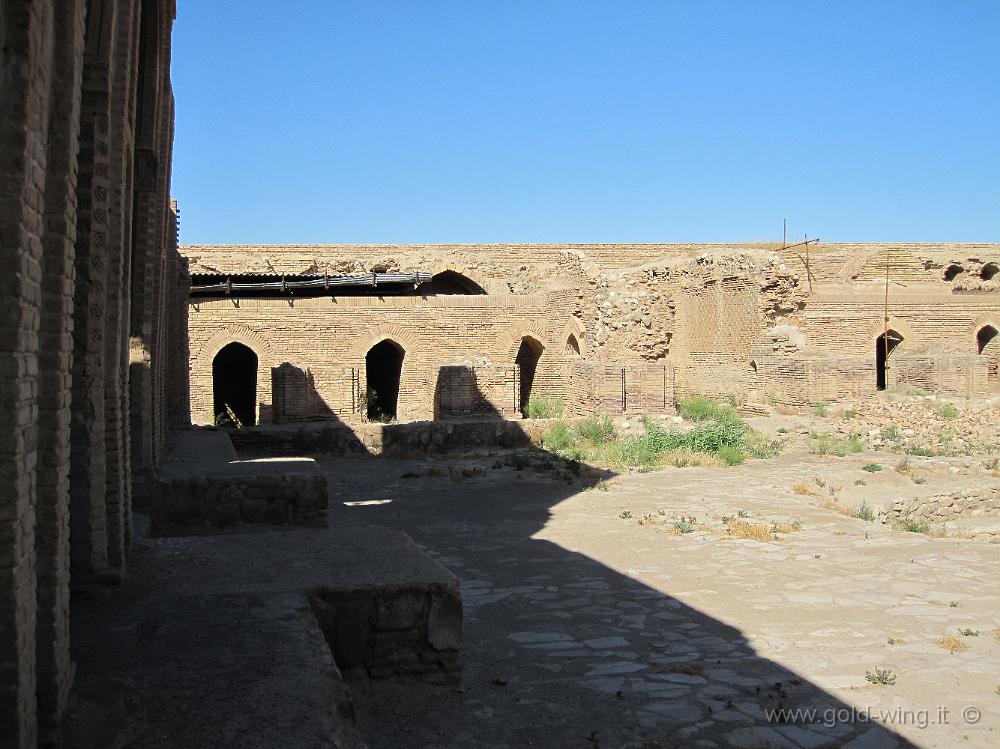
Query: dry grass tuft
[
  {"x": 951, "y": 643},
  {"x": 804, "y": 489},
  {"x": 787, "y": 527},
  {"x": 752, "y": 531},
  {"x": 837, "y": 507}
]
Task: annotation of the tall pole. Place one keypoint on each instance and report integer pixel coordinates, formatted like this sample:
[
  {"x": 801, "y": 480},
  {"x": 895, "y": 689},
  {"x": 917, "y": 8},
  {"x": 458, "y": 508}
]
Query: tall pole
[
  {"x": 885, "y": 320},
  {"x": 784, "y": 233}
]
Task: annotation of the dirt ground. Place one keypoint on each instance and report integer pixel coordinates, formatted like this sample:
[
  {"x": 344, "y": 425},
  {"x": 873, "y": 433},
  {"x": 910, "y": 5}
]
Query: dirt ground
[{"x": 626, "y": 610}]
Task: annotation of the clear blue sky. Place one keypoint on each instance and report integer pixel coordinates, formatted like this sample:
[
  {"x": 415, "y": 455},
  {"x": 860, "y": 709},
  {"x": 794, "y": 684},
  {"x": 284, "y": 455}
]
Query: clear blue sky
[{"x": 322, "y": 121}]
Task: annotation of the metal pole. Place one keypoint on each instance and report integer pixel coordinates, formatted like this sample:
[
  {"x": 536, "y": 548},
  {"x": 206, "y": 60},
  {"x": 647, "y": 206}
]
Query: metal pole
[
  {"x": 784, "y": 233},
  {"x": 885, "y": 321},
  {"x": 809, "y": 278}
]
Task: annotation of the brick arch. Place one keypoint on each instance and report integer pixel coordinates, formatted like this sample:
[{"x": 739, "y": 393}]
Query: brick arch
[
  {"x": 877, "y": 328},
  {"x": 978, "y": 324},
  {"x": 513, "y": 343},
  {"x": 404, "y": 339},
  {"x": 575, "y": 327},
  {"x": 249, "y": 337},
  {"x": 201, "y": 368},
  {"x": 444, "y": 266}
]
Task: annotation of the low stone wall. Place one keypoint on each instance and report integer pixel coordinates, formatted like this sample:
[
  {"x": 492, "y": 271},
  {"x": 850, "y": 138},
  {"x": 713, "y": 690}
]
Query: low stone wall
[
  {"x": 940, "y": 508},
  {"x": 409, "y": 632},
  {"x": 242, "y": 499},
  {"x": 418, "y": 437},
  {"x": 202, "y": 483}
]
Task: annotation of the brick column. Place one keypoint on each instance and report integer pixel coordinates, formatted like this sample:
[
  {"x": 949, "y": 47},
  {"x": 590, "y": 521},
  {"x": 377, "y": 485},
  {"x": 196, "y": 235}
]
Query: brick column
[
  {"x": 117, "y": 487},
  {"x": 88, "y": 515},
  {"x": 55, "y": 671},
  {"x": 25, "y": 67}
]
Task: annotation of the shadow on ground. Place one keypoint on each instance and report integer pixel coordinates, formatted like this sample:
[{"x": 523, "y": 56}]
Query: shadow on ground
[{"x": 561, "y": 650}]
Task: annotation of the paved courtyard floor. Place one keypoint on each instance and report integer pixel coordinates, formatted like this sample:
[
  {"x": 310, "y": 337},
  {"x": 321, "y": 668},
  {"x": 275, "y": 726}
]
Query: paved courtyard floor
[{"x": 592, "y": 622}]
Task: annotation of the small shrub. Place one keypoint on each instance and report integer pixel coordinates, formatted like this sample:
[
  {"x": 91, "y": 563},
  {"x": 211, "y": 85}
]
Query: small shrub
[
  {"x": 685, "y": 525},
  {"x": 850, "y": 414},
  {"x": 820, "y": 409},
  {"x": 731, "y": 456},
  {"x": 544, "y": 407},
  {"x": 915, "y": 526},
  {"x": 804, "y": 489},
  {"x": 920, "y": 451},
  {"x": 919, "y": 480},
  {"x": 559, "y": 437},
  {"x": 700, "y": 408},
  {"x": 992, "y": 464},
  {"x": 903, "y": 466},
  {"x": 860, "y": 482},
  {"x": 782, "y": 430},
  {"x": 597, "y": 430},
  {"x": 625, "y": 515},
  {"x": 871, "y": 467},
  {"x": 880, "y": 677},
  {"x": 864, "y": 512},
  {"x": 891, "y": 432},
  {"x": 824, "y": 443},
  {"x": 947, "y": 411}
]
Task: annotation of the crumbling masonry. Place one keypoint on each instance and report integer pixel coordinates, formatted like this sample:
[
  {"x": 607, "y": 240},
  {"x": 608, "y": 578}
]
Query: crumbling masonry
[{"x": 612, "y": 328}]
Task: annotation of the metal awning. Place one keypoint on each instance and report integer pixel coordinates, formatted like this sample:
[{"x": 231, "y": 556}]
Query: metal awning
[{"x": 315, "y": 284}]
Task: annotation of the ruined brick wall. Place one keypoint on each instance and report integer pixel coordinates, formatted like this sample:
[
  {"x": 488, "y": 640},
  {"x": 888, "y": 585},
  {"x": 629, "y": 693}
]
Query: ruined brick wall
[
  {"x": 69, "y": 108},
  {"x": 701, "y": 310}
]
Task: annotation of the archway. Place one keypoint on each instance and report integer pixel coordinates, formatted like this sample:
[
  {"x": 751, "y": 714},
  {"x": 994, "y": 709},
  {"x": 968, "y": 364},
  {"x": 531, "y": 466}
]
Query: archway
[
  {"x": 451, "y": 282},
  {"x": 885, "y": 344},
  {"x": 528, "y": 354},
  {"x": 572, "y": 345},
  {"x": 383, "y": 369},
  {"x": 234, "y": 385},
  {"x": 988, "y": 345},
  {"x": 989, "y": 271},
  {"x": 987, "y": 341},
  {"x": 953, "y": 271}
]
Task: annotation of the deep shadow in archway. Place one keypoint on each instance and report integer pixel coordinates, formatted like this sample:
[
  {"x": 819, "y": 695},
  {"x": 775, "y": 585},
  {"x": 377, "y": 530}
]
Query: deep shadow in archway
[
  {"x": 528, "y": 354},
  {"x": 986, "y": 340},
  {"x": 383, "y": 368},
  {"x": 234, "y": 385},
  {"x": 450, "y": 282},
  {"x": 885, "y": 344},
  {"x": 572, "y": 345}
]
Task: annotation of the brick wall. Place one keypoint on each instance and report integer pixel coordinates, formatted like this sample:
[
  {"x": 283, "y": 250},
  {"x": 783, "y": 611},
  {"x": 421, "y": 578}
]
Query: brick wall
[{"x": 68, "y": 107}]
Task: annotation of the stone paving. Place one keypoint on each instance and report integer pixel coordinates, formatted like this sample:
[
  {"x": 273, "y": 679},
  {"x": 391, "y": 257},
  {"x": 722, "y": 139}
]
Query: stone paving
[{"x": 584, "y": 628}]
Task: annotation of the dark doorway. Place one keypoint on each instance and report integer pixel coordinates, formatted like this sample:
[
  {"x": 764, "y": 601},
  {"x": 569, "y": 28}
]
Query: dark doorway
[
  {"x": 234, "y": 385},
  {"x": 988, "y": 345},
  {"x": 885, "y": 344},
  {"x": 383, "y": 367},
  {"x": 986, "y": 340},
  {"x": 989, "y": 271},
  {"x": 572, "y": 345},
  {"x": 953, "y": 271},
  {"x": 526, "y": 361}
]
